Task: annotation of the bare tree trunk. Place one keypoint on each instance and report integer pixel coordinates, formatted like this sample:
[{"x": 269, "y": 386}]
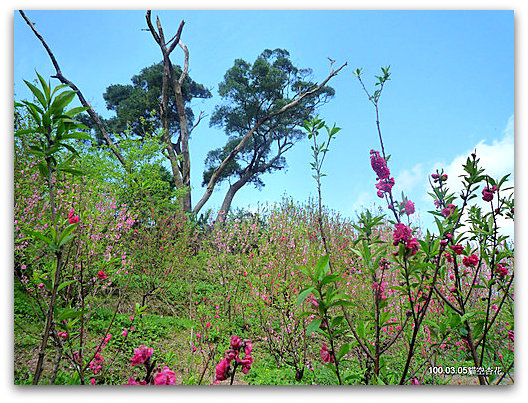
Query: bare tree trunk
[{"x": 228, "y": 199}]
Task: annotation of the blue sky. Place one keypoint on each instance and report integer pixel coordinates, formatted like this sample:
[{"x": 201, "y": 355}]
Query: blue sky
[{"x": 452, "y": 86}]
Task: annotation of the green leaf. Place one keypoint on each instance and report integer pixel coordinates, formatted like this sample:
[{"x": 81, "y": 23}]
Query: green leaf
[
  {"x": 321, "y": 267},
  {"x": 69, "y": 313},
  {"x": 38, "y": 94},
  {"x": 304, "y": 294},
  {"x": 41, "y": 237},
  {"x": 360, "y": 329},
  {"x": 65, "y": 284},
  {"x": 313, "y": 326},
  {"x": 344, "y": 349},
  {"x": 65, "y": 234}
]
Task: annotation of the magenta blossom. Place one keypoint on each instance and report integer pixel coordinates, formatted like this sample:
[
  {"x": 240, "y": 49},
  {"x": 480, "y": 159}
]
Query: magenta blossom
[
  {"x": 412, "y": 245},
  {"x": 101, "y": 275},
  {"x": 402, "y": 233},
  {"x": 326, "y": 355},
  {"x": 470, "y": 260},
  {"x": 236, "y": 342},
  {"x": 141, "y": 355},
  {"x": 165, "y": 377},
  {"x": 458, "y": 249},
  {"x": 487, "y": 193},
  {"x": 222, "y": 370},
  {"x": 72, "y": 218},
  {"x": 379, "y": 165},
  {"x": 408, "y": 207},
  {"x": 501, "y": 270},
  {"x": 446, "y": 212}
]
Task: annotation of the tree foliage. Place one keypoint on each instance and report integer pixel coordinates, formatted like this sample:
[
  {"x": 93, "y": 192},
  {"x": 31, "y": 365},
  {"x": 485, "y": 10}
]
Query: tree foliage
[
  {"x": 252, "y": 92},
  {"x": 137, "y": 105}
]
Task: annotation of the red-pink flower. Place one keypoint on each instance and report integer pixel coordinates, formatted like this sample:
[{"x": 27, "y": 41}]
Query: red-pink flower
[
  {"x": 165, "y": 377},
  {"x": 141, "y": 355},
  {"x": 222, "y": 370},
  {"x": 402, "y": 233},
  {"x": 501, "y": 270},
  {"x": 249, "y": 347},
  {"x": 236, "y": 342},
  {"x": 246, "y": 364},
  {"x": 379, "y": 165},
  {"x": 510, "y": 335},
  {"x": 408, "y": 207},
  {"x": 487, "y": 193},
  {"x": 470, "y": 260},
  {"x": 326, "y": 355},
  {"x": 458, "y": 249},
  {"x": 446, "y": 212},
  {"x": 72, "y": 218},
  {"x": 62, "y": 335},
  {"x": 101, "y": 275},
  {"x": 412, "y": 245}
]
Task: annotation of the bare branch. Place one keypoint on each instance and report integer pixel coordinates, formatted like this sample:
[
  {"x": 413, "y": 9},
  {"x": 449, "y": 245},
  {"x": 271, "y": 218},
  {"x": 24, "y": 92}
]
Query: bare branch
[{"x": 82, "y": 99}]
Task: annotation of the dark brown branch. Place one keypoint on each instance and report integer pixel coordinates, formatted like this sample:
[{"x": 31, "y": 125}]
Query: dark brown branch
[{"x": 82, "y": 99}]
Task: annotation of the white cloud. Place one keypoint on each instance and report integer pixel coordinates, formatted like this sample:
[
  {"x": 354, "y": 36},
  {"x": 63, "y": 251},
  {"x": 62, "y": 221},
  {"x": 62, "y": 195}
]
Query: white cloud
[
  {"x": 498, "y": 160},
  {"x": 409, "y": 178}
]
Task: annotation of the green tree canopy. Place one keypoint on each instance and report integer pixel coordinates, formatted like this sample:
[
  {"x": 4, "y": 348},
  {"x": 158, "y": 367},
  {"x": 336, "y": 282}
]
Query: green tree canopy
[
  {"x": 137, "y": 105},
  {"x": 252, "y": 92}
]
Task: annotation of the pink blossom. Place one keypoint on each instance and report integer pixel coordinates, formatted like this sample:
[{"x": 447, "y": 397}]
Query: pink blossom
[
  {"x": 141, "y": 355},
  {"x": 470, "y": 260},
  {"x": 501, "y": 270},
  {"x": 402, "y": 233},
  {"x": 458, "y": 249},
  {"x": 236, "y": 342},
  {"x": 413, "y": 246},
  {"x": 165, "y": 377},
  {"x": 379, "y": 165},
  {"x": 326, "y": 355},
  {"x": 408, "y": 207},
  {"x": 222, "y": 370},
  {"x": 446, "y": 212},
  {"x": 101, "y": 275},
  {"x": 72, "y": 218},
  {"x": 62, "y": 335}
]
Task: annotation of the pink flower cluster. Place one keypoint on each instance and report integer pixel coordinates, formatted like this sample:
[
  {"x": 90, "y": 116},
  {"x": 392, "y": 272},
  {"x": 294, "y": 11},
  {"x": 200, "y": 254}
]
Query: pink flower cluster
[
  {"x": 223, "y": 368},
  {"x": 501, "y": 270},
  {"x": 438, "y": 177},
  {"x": 72, "y": 218},
  {"x": 165, "y": 377},
  {"x": 487, "y": 193},
  {"x": 95, "y": 364},
  {"x": 141, "y": 355},
  {"x": 326, "y": 355},
  {"x": 408, "y": 207},
  {"x": 458, "y": 249},
  {"x": 402, "y": 234},
  {"x": 447, "y": 211},
  {"x": 379, "y": 165},
  {"x": 470, "y": 260}
]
